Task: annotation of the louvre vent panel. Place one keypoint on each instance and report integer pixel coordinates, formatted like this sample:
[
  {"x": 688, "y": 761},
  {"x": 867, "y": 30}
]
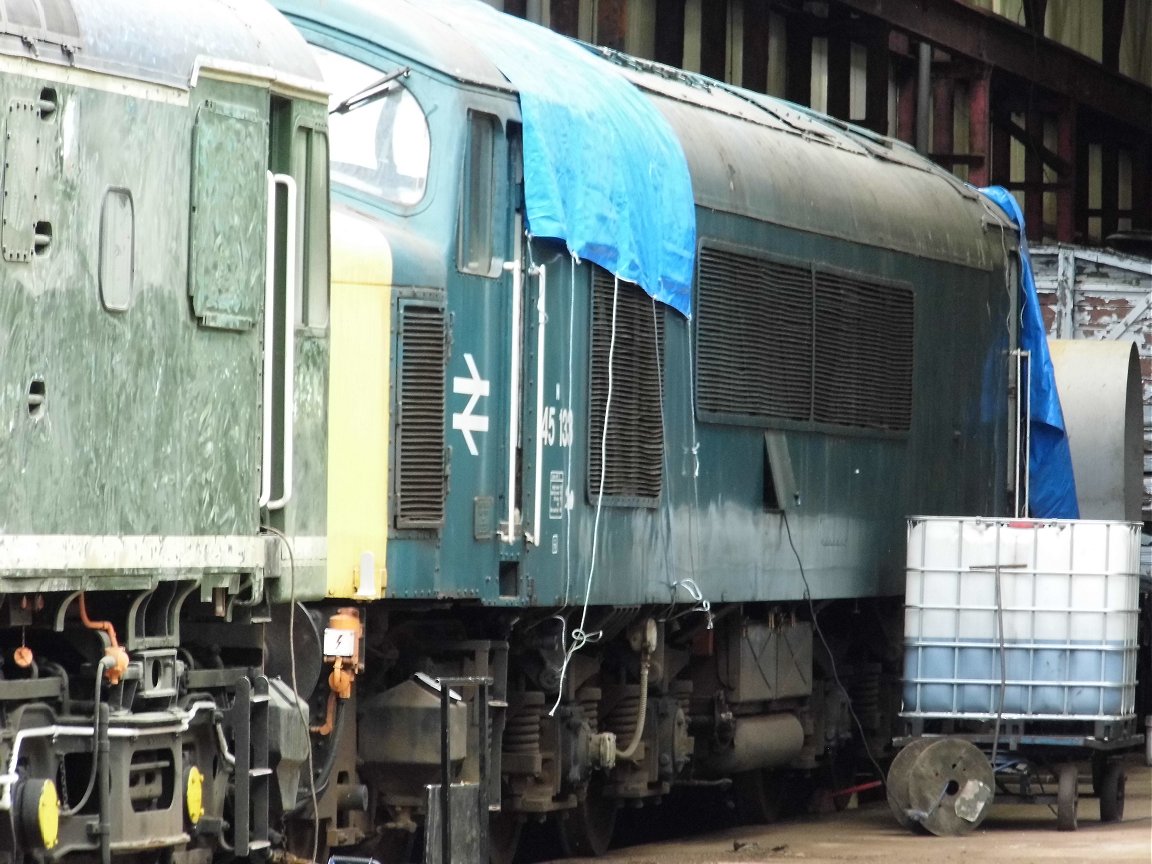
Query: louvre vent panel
[
  {"x": 863, "y": 354},
  {"x": 421, "y": 483},
  {"x": 755, "y": 333},
  {"x": 789, "y": 342},
  {"x": 634, "y": 447}
]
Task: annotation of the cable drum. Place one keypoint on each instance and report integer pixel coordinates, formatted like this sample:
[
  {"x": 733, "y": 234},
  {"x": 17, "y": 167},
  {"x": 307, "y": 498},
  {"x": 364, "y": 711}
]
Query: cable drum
[{"x": 950, "y": 787}]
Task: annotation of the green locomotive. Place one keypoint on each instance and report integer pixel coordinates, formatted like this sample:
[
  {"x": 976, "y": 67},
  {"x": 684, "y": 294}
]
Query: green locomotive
[{"x": 164, "y": 383}]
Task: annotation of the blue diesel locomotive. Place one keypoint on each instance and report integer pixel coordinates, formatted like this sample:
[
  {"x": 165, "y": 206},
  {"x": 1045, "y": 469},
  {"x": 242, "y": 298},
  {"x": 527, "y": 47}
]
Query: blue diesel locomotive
[
  {"x": 572, "y": 468},
  {"x": 635, "y": 377}
]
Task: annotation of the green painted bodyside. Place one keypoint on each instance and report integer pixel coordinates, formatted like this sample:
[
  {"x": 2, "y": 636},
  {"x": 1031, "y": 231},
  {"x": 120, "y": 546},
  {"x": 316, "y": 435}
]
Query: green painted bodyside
[
  {"x": 149, "y": 425},
  {"x": 150, "y": 422},
  {"x": 852, "y": 490}
]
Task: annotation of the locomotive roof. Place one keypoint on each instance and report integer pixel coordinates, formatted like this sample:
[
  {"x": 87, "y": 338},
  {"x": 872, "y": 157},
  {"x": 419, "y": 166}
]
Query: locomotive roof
[
  {"x": 748, "y": 153},
  {"x": 409, "y": 30},
  {"x": 763, "y": 157},
  {"x": 160, "y": 43}
]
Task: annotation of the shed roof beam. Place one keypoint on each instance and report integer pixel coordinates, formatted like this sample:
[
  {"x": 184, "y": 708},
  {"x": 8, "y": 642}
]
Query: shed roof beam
[{"x": 982, "y": 35}]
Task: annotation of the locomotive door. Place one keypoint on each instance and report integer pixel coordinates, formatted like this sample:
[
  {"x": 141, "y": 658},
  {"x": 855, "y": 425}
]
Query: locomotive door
[
  {"x": 547, "y": 419},
  {"x": 295, "y": 321},
  {"x": 528, "y": 414}
]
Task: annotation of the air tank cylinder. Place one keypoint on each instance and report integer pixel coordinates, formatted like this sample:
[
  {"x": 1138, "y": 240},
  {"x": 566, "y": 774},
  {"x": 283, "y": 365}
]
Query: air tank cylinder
[{"x": 767, "y": 741}]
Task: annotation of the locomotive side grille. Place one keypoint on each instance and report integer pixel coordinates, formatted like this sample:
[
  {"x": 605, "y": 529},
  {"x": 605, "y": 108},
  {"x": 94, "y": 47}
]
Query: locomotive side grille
[
  {"x": 420, "y": 470},
  {"x": 755, "y": 331},
  {"x": 863, "y": 354},
  {"x": 782, "y": 341},
  {"x": 635, "y": 440}
]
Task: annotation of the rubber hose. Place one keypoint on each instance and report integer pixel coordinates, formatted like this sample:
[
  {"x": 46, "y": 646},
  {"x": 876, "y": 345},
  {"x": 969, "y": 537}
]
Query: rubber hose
[{"x": 641, "y": 712}]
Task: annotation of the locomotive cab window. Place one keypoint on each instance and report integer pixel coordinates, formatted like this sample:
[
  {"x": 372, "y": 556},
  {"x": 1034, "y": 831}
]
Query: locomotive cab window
[
  {"x": 474, "y": 249},
  {"x": 379, "y": 137},
  {"x": 310, "y": 153},
  {"x": 299, "y": 148}
]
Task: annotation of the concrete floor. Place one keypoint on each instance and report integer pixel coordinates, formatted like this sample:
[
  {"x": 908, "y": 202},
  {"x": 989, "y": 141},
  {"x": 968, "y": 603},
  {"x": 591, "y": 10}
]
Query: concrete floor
[{"x": 1011, "y": 834}]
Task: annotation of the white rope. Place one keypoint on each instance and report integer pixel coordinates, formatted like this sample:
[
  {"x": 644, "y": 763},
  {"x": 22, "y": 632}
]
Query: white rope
[
  {"x": 702, "y": 605},
  {"x": 580, "y": 637},
  {"x": 665, "y": 467},
  {"x": 695, "y": 450}
]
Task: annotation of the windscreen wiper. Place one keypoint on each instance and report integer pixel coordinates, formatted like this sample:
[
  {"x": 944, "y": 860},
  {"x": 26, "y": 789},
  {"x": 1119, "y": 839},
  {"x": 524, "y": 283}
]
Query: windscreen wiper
[{"x": 374, "y": 91}]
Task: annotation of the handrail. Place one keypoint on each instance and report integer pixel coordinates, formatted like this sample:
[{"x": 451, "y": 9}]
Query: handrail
[
  {"x": 269, "y": 341},
  {"x": 516, "y": 268},
  {"x": 541, "y": 272},
  {"x": 288, "y": 419}
]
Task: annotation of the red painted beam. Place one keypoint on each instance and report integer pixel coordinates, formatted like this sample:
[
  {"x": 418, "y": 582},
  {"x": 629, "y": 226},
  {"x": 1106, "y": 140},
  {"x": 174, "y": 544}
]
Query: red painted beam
[
  {"x": 943, "y": 114},
  {"x": 979, "y": 129}
]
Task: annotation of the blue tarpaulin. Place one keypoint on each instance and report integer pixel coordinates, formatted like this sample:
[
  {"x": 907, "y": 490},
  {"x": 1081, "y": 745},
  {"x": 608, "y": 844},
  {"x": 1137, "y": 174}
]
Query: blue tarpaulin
[
  {"x": 603, "y": 170},
  {"x": 1052, "y": 487}
]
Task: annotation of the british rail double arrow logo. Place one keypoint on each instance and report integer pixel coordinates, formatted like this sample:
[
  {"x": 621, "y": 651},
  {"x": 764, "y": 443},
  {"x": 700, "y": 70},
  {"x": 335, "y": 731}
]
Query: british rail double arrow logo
[{"x": 474, "y": 387}]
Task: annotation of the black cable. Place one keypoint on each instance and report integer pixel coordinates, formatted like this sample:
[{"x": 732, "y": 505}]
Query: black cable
[
  {"x": 72, "y": 811},
  {"x": 828, "y": 648},
  {"x": 295, "y": 686},
  {"x": 323, "y": 776}
]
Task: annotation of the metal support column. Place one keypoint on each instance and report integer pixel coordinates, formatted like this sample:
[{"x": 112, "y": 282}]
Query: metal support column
[
  {"x": 943, "y": 117},
  {"x": 754, "y": 71},
  {"x": 876, "y": 85},
  {"x": 980, "y": 128},
  {"x": 446, "y": 684},
  {"x": 1066, "y": 195},
  {"x": 1034, "y": 177},
  {"x": 798, "y": 62},
  {"x": 670, "y": 32},
  {"x": 923, "y": 95}
]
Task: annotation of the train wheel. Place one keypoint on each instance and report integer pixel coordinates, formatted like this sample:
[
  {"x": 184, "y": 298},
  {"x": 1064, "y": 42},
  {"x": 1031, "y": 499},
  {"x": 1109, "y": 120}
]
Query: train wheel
[
  {"x": 757, "y": 795},
  {"x": 586, "y": 830},
  {"x": 897, "y": 783},
  {"x": 504, "y": 830},
  {"x": 952, "y": 784},
  {"x": 1067, "y": 793},
  {"x": 1111, "y": 792}
]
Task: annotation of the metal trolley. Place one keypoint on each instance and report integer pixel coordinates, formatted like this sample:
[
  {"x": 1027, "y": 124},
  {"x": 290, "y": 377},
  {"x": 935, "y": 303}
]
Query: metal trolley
[{"x": 1020, "y": 665}]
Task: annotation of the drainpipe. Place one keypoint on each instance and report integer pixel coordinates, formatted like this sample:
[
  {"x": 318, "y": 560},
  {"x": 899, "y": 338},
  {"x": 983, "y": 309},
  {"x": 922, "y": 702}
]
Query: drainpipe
[{"x": 923, "y": 91}]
